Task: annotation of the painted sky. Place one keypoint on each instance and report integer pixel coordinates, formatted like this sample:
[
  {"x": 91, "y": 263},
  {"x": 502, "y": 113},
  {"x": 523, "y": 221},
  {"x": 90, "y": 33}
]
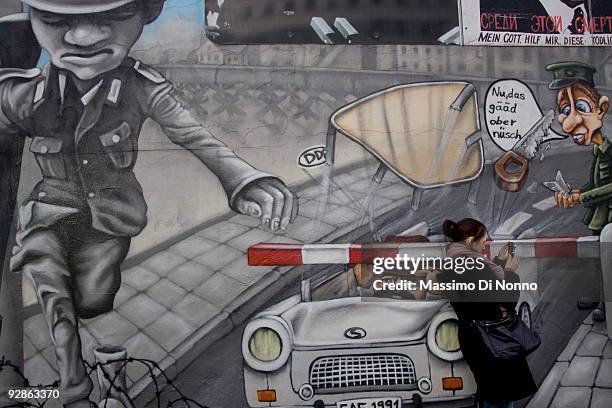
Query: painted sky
[{"x": 186, "y": 11}]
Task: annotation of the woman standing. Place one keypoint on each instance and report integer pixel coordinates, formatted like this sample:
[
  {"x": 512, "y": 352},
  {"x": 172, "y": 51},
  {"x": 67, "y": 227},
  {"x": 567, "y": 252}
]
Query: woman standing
[{"x": 500, "y": 382}]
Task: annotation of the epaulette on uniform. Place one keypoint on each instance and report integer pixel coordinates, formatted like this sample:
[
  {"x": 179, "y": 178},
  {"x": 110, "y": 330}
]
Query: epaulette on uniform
[
  {"x": 8, "y": 73},
  {"x": 149, "y": 73}
]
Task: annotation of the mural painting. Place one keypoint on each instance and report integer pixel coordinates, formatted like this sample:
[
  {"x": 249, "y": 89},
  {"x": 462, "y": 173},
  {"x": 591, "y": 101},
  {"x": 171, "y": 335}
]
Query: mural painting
[{"x": 193, "y": 218}]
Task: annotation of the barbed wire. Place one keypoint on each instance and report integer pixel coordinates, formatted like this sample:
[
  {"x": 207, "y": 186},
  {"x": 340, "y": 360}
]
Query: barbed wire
[{"x": 155, "y": 372}]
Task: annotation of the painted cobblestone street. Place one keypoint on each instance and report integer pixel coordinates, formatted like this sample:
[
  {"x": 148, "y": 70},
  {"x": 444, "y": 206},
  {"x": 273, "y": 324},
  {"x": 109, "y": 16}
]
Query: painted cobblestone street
[{"x": 582, "y": 374}]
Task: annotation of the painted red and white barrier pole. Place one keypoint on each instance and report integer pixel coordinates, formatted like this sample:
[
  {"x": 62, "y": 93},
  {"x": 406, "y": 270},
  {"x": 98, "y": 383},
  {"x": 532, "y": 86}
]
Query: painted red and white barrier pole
[{"x": 275, "y": 254}]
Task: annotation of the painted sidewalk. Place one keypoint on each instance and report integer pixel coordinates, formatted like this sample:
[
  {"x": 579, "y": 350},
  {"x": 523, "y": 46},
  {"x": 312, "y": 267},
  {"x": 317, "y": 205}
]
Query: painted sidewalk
[{"x": 582, "y": 375}]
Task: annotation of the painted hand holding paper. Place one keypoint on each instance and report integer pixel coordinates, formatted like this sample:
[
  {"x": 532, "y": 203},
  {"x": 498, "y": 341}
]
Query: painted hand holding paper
[{"x": 511, "y": 110}]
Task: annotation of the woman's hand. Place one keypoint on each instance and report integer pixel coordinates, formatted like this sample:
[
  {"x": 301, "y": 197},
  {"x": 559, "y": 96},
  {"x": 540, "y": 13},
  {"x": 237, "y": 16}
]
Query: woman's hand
[
  {"x": 504, "y": 252},
  {"x": 512, "y": 263}
]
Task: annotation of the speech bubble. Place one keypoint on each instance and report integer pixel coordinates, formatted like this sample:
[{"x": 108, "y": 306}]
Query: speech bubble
[{"x": 511, "y": 110}]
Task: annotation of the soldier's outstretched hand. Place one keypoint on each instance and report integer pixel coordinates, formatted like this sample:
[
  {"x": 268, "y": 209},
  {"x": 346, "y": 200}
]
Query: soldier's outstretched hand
[{"x": 270, "y": 200}]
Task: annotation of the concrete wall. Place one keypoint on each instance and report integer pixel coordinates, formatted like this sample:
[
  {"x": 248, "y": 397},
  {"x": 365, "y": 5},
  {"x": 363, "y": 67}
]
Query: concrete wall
[{"x": 269, "y": 114}]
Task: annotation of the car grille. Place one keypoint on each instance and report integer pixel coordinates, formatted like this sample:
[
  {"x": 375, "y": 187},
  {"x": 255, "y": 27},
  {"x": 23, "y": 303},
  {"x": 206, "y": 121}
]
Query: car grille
[{"x": 363, "y": 373}]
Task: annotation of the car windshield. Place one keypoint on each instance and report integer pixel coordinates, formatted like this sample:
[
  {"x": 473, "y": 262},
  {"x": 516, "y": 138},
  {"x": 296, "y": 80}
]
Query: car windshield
[{"x": 359, "y": 281}]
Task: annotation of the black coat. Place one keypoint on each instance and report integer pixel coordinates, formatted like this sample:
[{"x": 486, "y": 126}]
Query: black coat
[{"x": 497, "y": 380}]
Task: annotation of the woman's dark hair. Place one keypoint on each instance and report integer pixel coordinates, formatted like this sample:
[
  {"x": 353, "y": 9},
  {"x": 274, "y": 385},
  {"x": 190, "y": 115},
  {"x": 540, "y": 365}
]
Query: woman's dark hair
[{"x": 467, "y": 227}]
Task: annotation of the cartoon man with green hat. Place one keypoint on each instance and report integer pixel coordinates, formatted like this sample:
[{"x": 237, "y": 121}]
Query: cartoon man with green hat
[
  {"x": 581, "y": 114},
  {"x": 84, "y": 112}
]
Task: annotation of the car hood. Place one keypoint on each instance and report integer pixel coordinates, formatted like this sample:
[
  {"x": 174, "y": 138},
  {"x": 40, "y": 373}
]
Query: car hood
[{"x": 325, "y": 323}]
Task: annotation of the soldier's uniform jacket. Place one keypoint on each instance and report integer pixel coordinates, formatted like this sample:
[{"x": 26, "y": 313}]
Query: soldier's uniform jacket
[
  {"x": 86, "y": 145},
  {"x": 597, "y": 195}
]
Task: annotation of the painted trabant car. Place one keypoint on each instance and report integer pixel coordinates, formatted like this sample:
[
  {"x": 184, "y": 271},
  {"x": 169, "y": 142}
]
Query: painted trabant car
[{"x": 357, "y": 351}]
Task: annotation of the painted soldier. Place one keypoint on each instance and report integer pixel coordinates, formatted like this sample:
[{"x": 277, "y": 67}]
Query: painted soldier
[
  {"x": 84, "y": 112},
  {"x": 581, "y": 115}
]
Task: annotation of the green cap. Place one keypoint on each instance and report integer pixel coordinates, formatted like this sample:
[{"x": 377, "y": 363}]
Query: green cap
[{"x": 569, "y": 72}]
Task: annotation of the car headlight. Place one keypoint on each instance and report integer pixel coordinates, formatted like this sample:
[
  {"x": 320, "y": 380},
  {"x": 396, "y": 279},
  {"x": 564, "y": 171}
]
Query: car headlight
[
  {"x": 443, "y": 338},
  {"x": 266, "y": 343},
  {"x": 447, "y": 335}
]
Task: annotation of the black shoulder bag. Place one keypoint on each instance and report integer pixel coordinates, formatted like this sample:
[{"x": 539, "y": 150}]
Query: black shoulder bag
[{"x": 508, "y": 338}]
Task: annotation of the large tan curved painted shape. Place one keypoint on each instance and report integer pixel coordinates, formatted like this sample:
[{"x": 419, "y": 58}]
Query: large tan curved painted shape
[{"x": 403, "y": 127}]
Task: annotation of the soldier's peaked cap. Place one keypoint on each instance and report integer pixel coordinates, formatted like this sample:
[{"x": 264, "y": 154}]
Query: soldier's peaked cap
[
  {"x": 82, "y": 6},
  {"x": 569, "y": 72}
]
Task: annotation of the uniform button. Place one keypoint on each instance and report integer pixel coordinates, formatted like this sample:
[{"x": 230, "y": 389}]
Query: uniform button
[
  {"x": 42, "y": 194},
  {"x": 85, "y": 161},
  {"x": 44, "y": 149},
  {"x": 116, "y": 139},
  {"x": 91, "y": 195}
]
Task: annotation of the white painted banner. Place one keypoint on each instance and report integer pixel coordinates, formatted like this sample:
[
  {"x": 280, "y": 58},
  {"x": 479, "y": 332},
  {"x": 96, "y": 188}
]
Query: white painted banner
[{"x": 536, "y": 22}]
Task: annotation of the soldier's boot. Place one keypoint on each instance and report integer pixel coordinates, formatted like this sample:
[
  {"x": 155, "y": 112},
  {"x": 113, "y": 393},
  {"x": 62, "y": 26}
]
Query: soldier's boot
[
  {"x": 599, "y": 314},
  {"x": 112, "y": 376}
]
